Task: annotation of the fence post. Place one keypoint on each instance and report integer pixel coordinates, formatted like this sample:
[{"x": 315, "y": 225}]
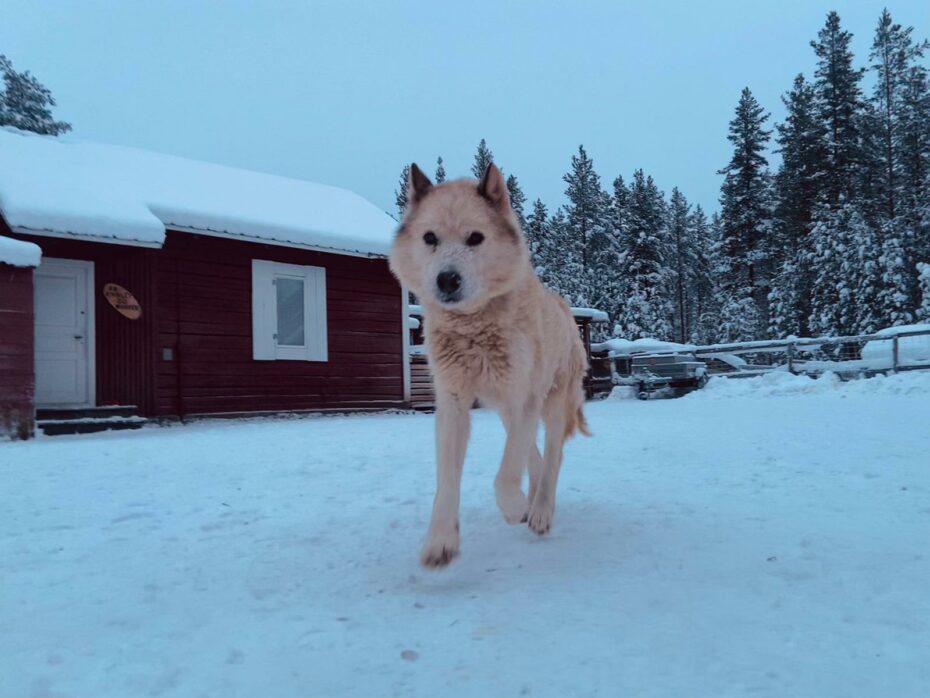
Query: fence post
[
  {"x": 791, "y": 358},
  {"x": 894, "y": 354}
]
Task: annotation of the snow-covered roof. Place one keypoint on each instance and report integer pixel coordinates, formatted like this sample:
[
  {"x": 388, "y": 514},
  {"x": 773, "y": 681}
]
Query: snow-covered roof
[
  {"x": 107, "y": 193},
  {"x": 17, "y": 253},
  {"x": 593, "y": 314}
]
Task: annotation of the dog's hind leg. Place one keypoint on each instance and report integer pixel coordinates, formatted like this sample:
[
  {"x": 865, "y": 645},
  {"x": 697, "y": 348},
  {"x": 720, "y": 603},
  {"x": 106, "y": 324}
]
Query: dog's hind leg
[
  {"x": 521, "y": 434},
  {"x": 536, "y": 466},
  {"x": 542, "y": 507},
  {"x": 453, "y": 424}
]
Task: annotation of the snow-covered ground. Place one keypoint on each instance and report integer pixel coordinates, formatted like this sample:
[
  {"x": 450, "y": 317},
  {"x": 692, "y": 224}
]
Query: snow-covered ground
[{"x": 764, "y": 536}]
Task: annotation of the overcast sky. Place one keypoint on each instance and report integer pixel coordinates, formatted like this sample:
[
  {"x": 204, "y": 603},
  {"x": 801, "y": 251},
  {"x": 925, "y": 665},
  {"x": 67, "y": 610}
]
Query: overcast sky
[{"x": 346, "y": 92}]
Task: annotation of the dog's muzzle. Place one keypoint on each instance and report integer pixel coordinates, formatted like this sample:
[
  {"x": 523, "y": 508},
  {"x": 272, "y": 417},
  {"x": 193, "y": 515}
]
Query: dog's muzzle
[{"x": 449, "y": 284}]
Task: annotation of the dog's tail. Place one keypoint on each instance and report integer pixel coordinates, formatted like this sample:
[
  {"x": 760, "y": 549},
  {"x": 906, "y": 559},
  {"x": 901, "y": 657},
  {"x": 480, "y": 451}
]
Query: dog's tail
[
  {"x": 577, "y": 423},
  {"x": 578, "y": 367}
]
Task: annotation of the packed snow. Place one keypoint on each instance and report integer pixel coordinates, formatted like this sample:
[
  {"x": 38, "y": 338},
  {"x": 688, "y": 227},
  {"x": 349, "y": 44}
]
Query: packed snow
[
  {"x": 763, "y": 536},
  {"x": 70, "y": 187},
  {"x": 18, "y": 253}
]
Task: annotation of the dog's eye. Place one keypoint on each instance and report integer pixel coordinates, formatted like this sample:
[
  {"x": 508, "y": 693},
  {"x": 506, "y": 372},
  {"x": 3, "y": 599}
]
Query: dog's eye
[
  {"x": 429, "y": 237},
  {"x": 475, "y": 238}
]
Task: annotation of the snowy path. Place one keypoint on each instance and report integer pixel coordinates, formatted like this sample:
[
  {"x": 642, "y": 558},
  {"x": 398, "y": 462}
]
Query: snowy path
[{"x": 779, "y": 547}]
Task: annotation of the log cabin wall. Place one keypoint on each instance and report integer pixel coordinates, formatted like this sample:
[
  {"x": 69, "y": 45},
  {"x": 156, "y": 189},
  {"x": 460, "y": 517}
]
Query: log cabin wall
[
  {"x": 205, "y": 326},
  {"x": 17, "y": 371}
]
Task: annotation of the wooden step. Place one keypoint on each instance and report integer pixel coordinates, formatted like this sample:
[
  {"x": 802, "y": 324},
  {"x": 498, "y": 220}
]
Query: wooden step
[
  {"x": 86, "y": 412},
  {"x": 88, "y": 420}
]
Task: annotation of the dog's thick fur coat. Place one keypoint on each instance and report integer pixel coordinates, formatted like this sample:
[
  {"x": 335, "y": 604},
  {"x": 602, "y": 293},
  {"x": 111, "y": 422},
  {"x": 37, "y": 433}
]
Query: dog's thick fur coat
[{"x": 495, "y": 333}]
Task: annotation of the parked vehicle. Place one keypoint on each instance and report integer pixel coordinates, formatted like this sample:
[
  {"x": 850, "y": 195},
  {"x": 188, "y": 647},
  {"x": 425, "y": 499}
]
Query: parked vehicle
[{"x": 667, "y": 375}]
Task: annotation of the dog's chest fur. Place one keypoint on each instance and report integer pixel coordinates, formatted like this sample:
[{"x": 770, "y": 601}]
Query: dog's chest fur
[{"x": 473, "y": 353}]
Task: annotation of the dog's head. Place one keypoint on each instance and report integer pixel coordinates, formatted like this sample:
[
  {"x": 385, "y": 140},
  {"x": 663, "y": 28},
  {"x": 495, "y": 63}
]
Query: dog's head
[{"x": 459, "y": 244}]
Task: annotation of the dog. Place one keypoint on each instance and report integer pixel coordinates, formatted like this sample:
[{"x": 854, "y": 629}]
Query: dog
[{"x": 493, "y": 333}]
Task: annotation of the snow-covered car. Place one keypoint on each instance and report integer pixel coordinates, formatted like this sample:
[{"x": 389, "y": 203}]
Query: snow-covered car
[{"x": 667, "y": 374}]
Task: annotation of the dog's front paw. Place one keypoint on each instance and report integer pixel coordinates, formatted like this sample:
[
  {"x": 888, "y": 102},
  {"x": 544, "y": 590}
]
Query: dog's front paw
[
  {"x": 440, "y": 550},
  {"x": 540, "y": 518},
  {"x": 513, "y": 505}
]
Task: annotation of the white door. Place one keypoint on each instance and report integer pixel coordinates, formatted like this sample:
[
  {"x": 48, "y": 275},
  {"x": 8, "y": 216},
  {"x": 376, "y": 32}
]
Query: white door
[{"x": 64, "y": 333}]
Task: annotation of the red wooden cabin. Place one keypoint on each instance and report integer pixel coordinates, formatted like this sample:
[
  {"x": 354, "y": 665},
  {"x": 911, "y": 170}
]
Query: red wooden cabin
[{"x": 172, "y": 288}]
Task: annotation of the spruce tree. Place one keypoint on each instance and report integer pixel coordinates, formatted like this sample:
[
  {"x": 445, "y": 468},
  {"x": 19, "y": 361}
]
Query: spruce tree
[
  {"x": 834, "y": 258},
  {"x": 534, "y": 231},
  {"x": 25, "y": 103},
  {"x": 517, "y": 198},
  {"x": 560, "y": 260},
  {"x": 645, "y": 309},
  {"x": 483, "y": 158},
  {"x": 400, "y": 194},
  {"x": 701, "y": 278},
  {"x": 839, "y": 103},
  {"x": 796, "y": 191},
  {"x": 745, "y": 212},
  {"x": 619, "y": 208},
  {"x": 913, "y": 148},
  {"x": 440, "y": 172},
  {"x": 682, "y": 261},
  {"x": 586, "y": 200},
  {"x": 890, "y": 55},
  {"x": 898, "y": 280},
  {"x": 923, "y": 275}
]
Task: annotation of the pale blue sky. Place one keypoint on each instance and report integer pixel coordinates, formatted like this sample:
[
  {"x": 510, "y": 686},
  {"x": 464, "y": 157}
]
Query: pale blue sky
[{"x": 347, "y": 92}]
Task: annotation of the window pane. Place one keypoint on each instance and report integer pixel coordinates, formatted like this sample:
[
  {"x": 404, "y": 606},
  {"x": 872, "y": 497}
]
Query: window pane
[{"x": 290, "y": 311}]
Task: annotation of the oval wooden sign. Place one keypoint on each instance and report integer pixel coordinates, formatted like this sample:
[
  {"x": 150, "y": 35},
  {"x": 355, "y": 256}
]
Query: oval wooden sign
[{"x": 124, "y": 302}]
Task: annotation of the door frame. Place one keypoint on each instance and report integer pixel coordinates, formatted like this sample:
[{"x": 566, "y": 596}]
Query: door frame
[{"x": 90, "y": 336}]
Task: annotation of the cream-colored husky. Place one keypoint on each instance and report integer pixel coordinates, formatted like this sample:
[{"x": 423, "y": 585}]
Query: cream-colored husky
[{"x": 493, "y": 332}]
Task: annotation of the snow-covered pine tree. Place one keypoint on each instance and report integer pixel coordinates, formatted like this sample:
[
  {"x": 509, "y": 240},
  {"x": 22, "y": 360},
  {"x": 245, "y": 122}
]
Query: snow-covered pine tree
[
  {"x": 839, "y": 104},
  {"x": 745, "y": 214},
  {"x": 700, "y": 277},
  {"x": 645, "y": 309},
  {"x": 535, "y": 231},
  {"x": 517, "y": 198},
  {"x": 923, "y": 276},
  {"x": 898, "y": 280},
  {"x": 914, "y": 149},
  {"x": 834, "y": 259},
  {"x": 483, "y": 158},
  {"x": 25, "y": 103},
  {"x": 559, "y": 257},
  {"x": 585, "y": 209},
  {"x": 440, "y": 172},
  {"x": 900, "y": 106},
  {"x": 682, "y": 262},
  {"x": 708, "y": 321},
  {"x": 400, "y": 194},
  {"x": 738, "y": 319},
  {"x": 891, "y": 56},
  {"x": 619, "y": 208},
  {"x": 867, "y": 274},
  {"x": 796, "y": 190}
]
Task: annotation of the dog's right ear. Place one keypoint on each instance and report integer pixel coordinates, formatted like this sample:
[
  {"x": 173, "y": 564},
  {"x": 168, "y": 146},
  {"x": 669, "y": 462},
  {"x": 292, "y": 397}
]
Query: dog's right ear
[{"x": 418, "y": 185}]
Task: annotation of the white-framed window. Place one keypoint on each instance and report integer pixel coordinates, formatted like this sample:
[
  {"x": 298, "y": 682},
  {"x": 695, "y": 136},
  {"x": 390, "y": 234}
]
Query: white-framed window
[{"x": 288, "y": 312}]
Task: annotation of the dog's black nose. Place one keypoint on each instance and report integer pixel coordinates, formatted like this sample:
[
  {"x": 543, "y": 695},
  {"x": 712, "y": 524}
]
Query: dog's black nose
[{"x": 448, "y": 282}]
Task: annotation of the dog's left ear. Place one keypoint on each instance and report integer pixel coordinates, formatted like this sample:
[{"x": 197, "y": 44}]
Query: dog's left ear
[{"x": 493, "y": 188}]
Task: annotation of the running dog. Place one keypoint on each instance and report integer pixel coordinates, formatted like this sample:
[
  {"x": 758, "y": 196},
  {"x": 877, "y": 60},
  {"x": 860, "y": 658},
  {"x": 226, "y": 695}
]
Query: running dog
[{"x": 495, "y": 333}]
